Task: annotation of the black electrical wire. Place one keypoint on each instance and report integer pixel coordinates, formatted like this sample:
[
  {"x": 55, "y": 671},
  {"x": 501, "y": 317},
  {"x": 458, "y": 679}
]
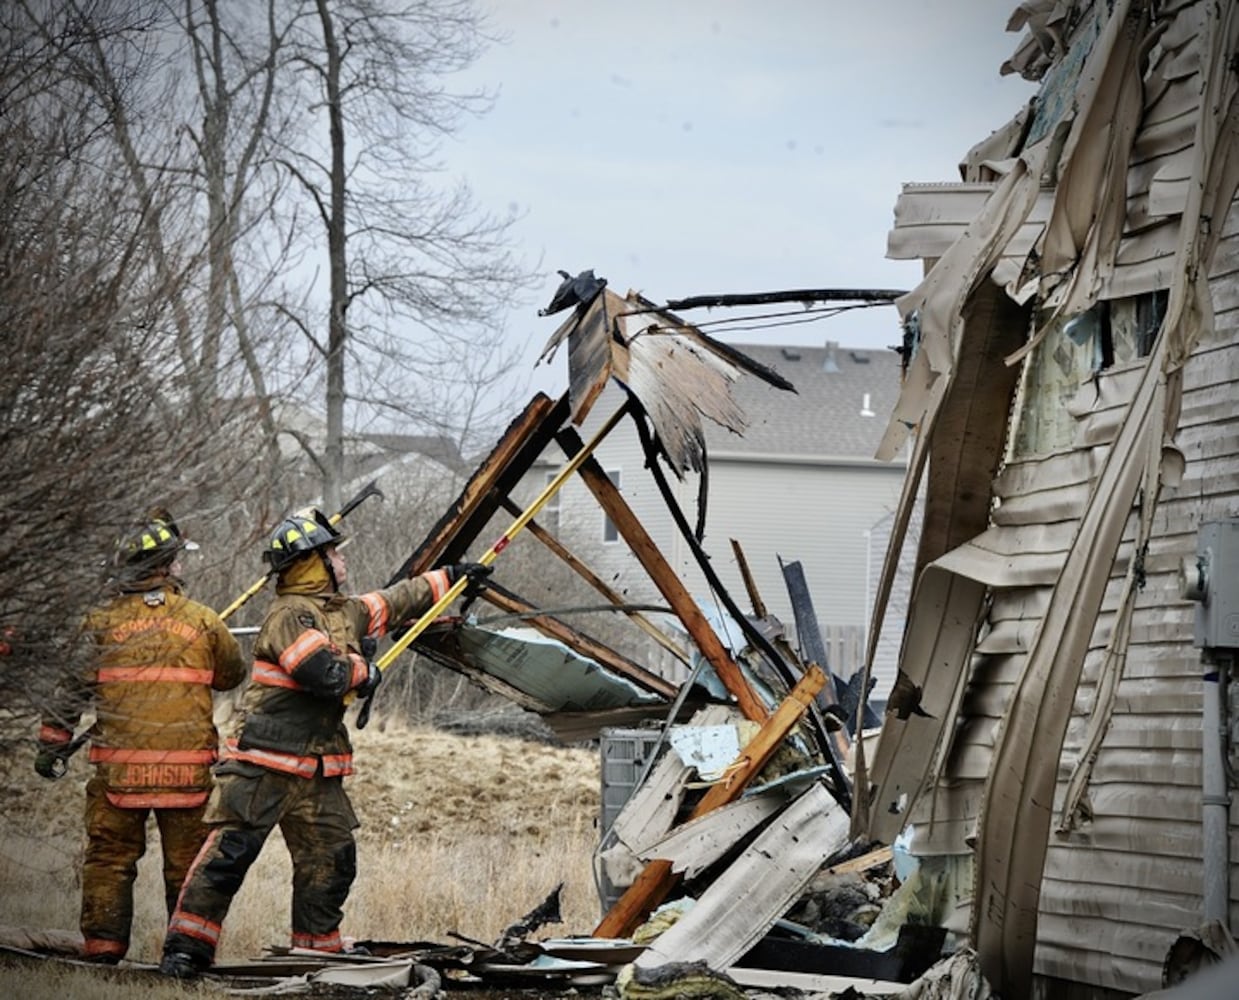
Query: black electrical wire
[
  {"x": 785, "y": 318},
  {"x": 869, "y": 296},
  {"x": 866, "y": 296}
]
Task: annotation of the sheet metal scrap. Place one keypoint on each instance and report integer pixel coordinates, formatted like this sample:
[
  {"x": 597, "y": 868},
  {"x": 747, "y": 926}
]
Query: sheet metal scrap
[
  {"x": 677, "y": 373},
  {"x": 538, "y": 673}
]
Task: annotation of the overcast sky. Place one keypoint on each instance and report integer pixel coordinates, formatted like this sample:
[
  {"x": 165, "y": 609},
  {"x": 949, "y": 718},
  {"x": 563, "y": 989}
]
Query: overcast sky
[{"x": 685, "y": 147}]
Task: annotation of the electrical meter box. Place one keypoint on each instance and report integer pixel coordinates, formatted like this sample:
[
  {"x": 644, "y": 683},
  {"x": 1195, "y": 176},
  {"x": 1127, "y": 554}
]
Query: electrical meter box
[
  {"x": 625, "y": 753},
  {"x": 1217, "y": 567}
]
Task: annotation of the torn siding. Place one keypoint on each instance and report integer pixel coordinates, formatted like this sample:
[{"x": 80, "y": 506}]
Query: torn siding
[
  {"x": 1136, "y": 863},
  {"x": 1132, "y": 862},
  {"x": 1069, "y": 754},
  {"x": 930, "y": 218}
]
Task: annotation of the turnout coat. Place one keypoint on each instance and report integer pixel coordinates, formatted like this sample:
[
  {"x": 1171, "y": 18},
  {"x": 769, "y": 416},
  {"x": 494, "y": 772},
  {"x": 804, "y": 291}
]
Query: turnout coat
[
  {"x": 156, "y": 658},
  {"x": 307, "y": 657}
]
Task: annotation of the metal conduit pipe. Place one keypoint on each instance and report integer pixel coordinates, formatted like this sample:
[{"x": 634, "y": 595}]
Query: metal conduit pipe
[{"x": 1215, "y": 796}]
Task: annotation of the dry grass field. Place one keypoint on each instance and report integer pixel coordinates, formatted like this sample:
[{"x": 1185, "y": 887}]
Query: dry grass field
[{"x": 459, "y": 834}]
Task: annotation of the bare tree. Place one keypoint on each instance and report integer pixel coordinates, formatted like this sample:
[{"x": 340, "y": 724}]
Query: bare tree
[
  {"x": 148, "y": 266},
  {"x": 94, "y": 420},
  {"x": 416, "y": 272},
  {"x": 184, "y": 95}
]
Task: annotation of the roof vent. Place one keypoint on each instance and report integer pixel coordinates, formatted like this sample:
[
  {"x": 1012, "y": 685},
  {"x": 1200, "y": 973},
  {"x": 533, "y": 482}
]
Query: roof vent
[
  {"x": 791, "y": 354},
  {"x": 865, "y": 409},
  {"x": 860, "y": 359},
  {"x": 830, "y": 363}
]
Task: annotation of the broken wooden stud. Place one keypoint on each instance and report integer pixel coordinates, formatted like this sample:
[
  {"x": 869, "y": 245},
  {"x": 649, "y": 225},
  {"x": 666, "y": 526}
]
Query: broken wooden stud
[
  {"x": 665, "y": 579},
  {"x": 657, "y": 879}
]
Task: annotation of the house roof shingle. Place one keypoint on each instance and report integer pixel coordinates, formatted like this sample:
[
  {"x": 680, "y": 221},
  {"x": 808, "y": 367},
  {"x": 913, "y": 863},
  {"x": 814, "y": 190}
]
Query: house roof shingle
[{"x": 843, "y": 400}]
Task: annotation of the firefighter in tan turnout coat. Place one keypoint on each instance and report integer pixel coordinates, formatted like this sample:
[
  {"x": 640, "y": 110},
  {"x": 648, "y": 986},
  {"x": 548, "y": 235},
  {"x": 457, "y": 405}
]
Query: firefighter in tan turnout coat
[
  {"x": 285, "y": 766},
  {"x": 157, "y": 657}
]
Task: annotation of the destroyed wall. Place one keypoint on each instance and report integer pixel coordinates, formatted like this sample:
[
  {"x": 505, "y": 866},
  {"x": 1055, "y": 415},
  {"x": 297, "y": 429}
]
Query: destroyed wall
[
  {"x": 799, "y": 485},
  {"x": 1060, "y": 745}
]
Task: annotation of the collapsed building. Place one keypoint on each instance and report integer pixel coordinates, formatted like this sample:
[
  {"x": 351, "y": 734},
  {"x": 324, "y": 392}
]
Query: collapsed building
[
  {"x": 1057, "y": 747},
  {"x": 765, "y": 719},
  {"x": 1049, "y": 793},
  {"x": 1061, "y": 732}
]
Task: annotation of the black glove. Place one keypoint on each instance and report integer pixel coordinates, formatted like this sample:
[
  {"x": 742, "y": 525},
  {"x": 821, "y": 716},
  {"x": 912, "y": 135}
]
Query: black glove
[
  {"x": 51, "y": 762},
  {"x": 365, "y": 691},
  {"x": 369, "y": 646},
  {"x": 367, "y": 687},
  {"x": 476, "y": 572}
]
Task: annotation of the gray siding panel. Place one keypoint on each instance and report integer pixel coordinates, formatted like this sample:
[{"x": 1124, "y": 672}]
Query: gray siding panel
[{"x": 1120, "y": 887}]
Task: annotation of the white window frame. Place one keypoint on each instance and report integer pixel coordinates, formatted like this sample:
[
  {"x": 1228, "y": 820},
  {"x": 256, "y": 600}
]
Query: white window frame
[{"x": 610, "y": 532}]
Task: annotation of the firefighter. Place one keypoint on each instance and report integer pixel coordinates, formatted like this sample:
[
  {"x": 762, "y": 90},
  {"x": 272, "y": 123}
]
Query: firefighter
[
  {"x": 156, "y": 657},
  {"x": 286, "y": 765}
]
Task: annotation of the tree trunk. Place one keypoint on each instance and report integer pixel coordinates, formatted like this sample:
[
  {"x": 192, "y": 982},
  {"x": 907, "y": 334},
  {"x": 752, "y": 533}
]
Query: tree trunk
[{"x": 337, "y": 329}]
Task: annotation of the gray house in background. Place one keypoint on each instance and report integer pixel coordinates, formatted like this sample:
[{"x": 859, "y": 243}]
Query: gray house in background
[{"x": 800, "y": 485}]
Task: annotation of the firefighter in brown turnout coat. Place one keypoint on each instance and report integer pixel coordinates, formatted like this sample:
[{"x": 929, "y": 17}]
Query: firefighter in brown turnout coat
[
  {"x": 157, "y": 657},
  {"x": 285, "y": 766}
]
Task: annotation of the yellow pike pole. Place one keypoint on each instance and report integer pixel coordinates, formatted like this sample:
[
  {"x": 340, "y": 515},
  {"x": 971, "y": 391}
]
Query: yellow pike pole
[
  {"x": 371, "y": 489},
  {"x": 489, "y": 556}
]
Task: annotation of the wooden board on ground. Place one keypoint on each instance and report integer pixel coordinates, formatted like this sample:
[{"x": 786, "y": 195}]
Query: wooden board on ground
[{"x": 745, "y": 901}]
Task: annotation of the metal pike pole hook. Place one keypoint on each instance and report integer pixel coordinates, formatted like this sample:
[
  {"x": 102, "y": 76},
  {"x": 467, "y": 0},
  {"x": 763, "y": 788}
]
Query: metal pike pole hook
[{"x": 371, "y": 489}]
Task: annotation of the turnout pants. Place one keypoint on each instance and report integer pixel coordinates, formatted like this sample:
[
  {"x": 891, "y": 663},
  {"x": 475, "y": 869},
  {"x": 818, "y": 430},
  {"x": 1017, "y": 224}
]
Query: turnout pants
[
  {"x": 116, "y": 839},
  {"x": 248, "y": 802}
]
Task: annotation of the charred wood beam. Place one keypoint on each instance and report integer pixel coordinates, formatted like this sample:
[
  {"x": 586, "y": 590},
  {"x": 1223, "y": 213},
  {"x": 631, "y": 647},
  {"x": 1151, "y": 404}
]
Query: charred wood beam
[
  {"x": 521, "y": 445},
  {"x": 750, "y": 585},
  {"x": 665, "y": 579}
]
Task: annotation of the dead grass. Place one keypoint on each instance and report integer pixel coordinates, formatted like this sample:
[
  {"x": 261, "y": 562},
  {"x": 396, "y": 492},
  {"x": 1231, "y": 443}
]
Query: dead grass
[
  {"x": 49, "y": 981},
  {"x": 461, "y": 834}
]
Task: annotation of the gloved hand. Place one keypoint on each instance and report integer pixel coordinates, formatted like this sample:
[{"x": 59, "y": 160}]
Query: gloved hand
[
  {"x": 365, "y": 691},
  {"x": 367, "y": 687},
  {"x": 476, "y": 572},
  {"x": 51, "y": 762},
  {"x": 369, "y": 646}
]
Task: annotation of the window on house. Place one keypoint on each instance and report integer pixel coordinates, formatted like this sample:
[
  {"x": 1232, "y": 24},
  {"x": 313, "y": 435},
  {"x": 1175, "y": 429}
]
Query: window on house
[
  {"x": 1114, "y": 332},
  {"x": 549, "y": 515},
  {"x": 1071, "y": 352},
  {"x": 610, "y": 533},
  {"x": 1135, "y": 322}
]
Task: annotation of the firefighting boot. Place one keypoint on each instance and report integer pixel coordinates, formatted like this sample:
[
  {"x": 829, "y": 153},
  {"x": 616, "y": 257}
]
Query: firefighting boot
[{"x": 179, "y": 965}]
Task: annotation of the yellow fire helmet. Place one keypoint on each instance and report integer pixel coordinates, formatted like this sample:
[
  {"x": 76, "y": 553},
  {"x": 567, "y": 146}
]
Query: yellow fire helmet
[
  {"x": 298, "y": 534},
  {"x": 154, "y": 543}
]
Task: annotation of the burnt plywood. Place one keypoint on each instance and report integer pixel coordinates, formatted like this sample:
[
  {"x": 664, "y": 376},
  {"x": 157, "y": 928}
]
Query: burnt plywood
[{"x": 590, "y": 350}]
